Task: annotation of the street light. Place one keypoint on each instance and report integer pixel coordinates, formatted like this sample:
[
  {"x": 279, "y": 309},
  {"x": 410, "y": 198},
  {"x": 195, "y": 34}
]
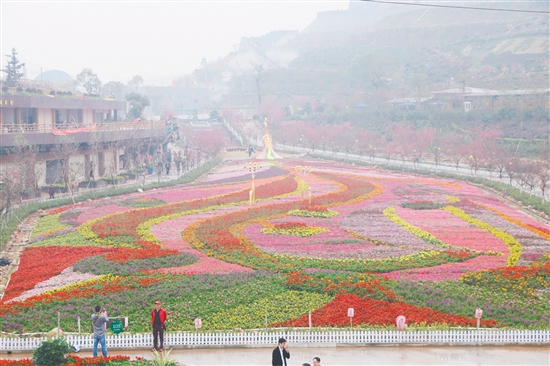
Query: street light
[
  {"x": 252, "y": 169},
  {"x": 303, "y": 170}
]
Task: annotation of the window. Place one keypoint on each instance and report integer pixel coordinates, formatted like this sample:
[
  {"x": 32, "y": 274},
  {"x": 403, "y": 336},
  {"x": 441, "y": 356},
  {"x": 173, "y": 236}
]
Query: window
[{"x": 467, "y": 106}]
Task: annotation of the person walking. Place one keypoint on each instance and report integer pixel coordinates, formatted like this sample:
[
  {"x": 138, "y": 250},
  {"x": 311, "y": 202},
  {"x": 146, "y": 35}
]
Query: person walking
[
  {"x": 158, "y": 316},
  {"x": 168, "y": 162},
  {"x": 99, "y": 324},
  {"x": 52, "y": 193},
  {"x": 316, "y": 361},
  {"x": 92, "y": 170},
  {"x": 178, "y": 159},
  {"x": 280, "y": 354}
]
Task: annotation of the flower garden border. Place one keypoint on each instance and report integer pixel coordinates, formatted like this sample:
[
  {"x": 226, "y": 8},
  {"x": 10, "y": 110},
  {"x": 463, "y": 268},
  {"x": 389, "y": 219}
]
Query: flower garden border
[{"x": 262, "y": 338}]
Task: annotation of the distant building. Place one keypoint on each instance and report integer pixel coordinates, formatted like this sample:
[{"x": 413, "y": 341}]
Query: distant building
[
  {"x": 413, "y": 103},
  {"x": 475, "y": 98},
  {"x": 28, "y": 112}
]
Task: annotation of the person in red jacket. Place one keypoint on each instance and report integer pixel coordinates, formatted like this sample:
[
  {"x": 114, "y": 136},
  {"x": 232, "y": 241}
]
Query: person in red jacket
[{"x": 158, "y": 316}]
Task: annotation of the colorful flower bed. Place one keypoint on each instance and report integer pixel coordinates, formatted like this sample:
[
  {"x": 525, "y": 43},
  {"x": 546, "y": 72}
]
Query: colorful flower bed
[
  {"x": 521, "y": 279},
  {"x": 48, "y": 225},
  {"x": 142, "y": 202},
  {"x": 74, "y": 360},
  {"x": 313, "y": 211},
  {"x": 387, "y": 244},
  {"x": 100, "y": 265},
  {"x": 39, "y": 264},
  {"x": 294, "y": 228},
  {"x": 377, "y": 312}
]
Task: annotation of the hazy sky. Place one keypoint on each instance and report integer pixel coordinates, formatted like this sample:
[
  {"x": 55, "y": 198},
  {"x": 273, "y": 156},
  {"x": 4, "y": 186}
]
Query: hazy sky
[{"x": 158, "y": 40}]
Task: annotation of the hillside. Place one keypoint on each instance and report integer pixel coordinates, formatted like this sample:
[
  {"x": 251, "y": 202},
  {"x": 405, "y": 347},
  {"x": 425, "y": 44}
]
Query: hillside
[{"x": 406, "y": 51}]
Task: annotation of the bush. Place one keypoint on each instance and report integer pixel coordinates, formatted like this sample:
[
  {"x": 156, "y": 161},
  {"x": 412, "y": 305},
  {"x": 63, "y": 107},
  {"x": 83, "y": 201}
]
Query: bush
[{"x": 51, "y": 353}]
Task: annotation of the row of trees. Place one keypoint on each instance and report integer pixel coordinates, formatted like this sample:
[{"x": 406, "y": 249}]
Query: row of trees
[{"x": 476, "y": 149}]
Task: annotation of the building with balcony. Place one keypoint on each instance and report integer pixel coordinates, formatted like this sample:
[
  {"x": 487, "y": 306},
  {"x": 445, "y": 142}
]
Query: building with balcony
[{"x": 101, "y": 144}]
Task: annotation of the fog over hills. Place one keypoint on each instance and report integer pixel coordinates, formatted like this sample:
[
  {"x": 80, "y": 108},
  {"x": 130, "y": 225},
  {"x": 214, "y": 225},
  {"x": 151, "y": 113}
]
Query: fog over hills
[{"x": 373, "y": 46}]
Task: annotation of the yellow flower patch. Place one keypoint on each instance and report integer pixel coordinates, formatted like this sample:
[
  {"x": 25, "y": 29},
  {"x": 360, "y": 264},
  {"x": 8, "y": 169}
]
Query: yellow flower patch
[
  {"x": 302, "y": 231},
  {"x": 281, "y": 307},
  {"x": 514, "y": 247}
]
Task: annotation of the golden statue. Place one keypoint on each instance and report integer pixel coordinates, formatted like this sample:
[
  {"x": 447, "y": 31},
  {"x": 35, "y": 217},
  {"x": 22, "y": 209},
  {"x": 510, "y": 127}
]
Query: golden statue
[{"x": 268, "y": 152}]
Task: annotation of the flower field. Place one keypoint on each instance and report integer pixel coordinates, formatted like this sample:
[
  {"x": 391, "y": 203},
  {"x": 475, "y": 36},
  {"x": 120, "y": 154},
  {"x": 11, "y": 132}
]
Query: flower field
[{"x": 386, "y": 244}]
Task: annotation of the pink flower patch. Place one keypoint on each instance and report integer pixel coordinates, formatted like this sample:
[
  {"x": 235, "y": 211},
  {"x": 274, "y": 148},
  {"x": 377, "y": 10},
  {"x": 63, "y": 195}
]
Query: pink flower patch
[
  {"x": 452, "y": 230},
  {"x": 449, "y": 271},
  {"x": 100, "y": 211}
]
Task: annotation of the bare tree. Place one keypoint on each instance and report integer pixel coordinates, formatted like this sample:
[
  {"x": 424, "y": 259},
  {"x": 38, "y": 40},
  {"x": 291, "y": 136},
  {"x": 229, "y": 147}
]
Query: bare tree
[
  {"x": 25, "y": 162},
  {"x": 258, "y": 73},
  {"x": 69, "y": 171}
]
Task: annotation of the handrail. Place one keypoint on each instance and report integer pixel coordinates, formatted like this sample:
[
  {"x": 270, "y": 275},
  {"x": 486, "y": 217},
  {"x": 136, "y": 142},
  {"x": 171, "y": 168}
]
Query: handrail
[{"x": 103, "y": 126}]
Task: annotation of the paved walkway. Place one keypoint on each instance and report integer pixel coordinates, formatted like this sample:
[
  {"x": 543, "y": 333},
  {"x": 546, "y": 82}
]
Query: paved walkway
[{"x": 370, "y": 355}]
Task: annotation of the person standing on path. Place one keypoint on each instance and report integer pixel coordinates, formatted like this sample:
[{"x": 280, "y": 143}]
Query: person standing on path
[
  {"x": 51, "y": 192},
  {"x": 280, "y": 354},
  {"x": 158, "y": 316},
  {"x": 99, "y": 322}
]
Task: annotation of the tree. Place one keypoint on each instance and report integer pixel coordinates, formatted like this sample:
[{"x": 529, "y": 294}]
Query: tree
[
  {"x": 457, "y": 148},
  {"x": 402, "y": 136},
  {"x": 114, "y": 89},
  {"x": 70, "y": 171},
  {"x": 210, "y": 143},
  {"x": 271, "y": 110},
  {"x": 12, "y": 186},
  {"x": 136, "y": 82},
  {"x": 12, "y": 69},
  {"x": 259, "y": 76},
  {"x": 89, "y": 81},
  {"x": 542, "y": 174},
  {"x": 138, "y": 103},
  {"x": 24, "y": 161},
  {"x": 214, "y": 115}
]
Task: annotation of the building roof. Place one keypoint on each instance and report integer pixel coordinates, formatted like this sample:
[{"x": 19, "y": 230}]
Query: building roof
[
  {"x": 477, "y": 92},
  {"x": 466, "y": 90},
  {"x": 409, "y": 100}
]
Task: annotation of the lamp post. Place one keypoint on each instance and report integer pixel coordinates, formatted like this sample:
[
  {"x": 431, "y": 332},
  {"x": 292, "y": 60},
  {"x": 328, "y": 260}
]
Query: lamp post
[
  {"x": 303, "y": 170},
  {"x": 252, "y": 167}
]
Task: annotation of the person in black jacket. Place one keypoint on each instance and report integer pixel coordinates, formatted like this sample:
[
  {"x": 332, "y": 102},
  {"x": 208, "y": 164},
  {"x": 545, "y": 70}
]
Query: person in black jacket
[{"x": 280, "y": 354}]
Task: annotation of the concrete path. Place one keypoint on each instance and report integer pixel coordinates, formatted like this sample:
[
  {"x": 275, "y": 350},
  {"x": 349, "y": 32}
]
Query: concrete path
[{"x": 369, "y": 355}]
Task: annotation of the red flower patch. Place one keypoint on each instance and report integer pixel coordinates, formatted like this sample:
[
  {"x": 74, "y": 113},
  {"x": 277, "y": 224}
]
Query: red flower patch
[
  {"x": 289, "y": 225},
  {"x": 377, "y": 312},
  {"x": 39, "y": 264}
]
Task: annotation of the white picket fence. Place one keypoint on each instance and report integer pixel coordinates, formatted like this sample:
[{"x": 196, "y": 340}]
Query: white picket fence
[{"x": 262, "y": 338}]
